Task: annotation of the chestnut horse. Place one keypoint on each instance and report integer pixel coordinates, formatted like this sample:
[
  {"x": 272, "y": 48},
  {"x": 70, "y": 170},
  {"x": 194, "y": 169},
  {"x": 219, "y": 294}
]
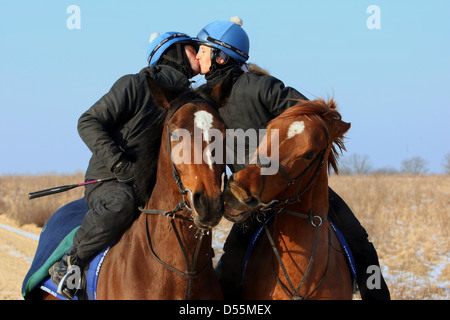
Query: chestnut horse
[
  {"x": 298, "y": 255},
  {"x": 167, "y": 252}
]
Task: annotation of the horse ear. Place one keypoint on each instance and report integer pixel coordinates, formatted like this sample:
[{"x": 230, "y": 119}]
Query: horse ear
[
  {"x": 160, "y": 94},
  {"x": 338, "y": 129},
  {"x": 221, "y": 92},
  {"x": 336, "y": 126}
]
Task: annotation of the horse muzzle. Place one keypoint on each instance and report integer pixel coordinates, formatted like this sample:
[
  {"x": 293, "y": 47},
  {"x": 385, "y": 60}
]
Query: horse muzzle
[
  {"x": 207, "y": 211},
  {"x": 238, "y": 203}
]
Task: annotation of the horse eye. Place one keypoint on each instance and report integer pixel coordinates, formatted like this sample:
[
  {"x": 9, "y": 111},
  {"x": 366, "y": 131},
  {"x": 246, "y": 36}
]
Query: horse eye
[{"x": 308, "y": 155}]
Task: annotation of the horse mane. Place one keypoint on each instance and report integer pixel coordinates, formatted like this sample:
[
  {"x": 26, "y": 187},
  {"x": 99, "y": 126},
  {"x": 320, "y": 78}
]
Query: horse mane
[
  {"x": 150, "y": 140},
  {"x": 254, "y": 68},
  {"x": 326, "y": 111}
]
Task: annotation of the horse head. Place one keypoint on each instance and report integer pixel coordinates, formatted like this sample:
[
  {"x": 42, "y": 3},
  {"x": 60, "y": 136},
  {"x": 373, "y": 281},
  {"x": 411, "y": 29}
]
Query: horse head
[
  {"x": 298, "y": 142},
  {"x": 192, "y": 148}
]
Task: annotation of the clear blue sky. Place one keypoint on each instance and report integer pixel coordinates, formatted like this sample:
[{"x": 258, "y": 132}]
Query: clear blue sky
[{"x": 391, "y": 83}]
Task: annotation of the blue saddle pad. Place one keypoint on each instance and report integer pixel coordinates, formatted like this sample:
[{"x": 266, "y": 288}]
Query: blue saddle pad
[
  {"x": 348, "y": 253},
  {"x": 91, "y": 279},
  {"x": 55, "y": 239},
  {"x": 346, "y": 248}
]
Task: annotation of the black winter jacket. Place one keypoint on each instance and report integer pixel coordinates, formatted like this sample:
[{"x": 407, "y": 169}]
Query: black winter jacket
[
  {"x": 255, "y": 100},
  {"x": 111, "y": 128}
]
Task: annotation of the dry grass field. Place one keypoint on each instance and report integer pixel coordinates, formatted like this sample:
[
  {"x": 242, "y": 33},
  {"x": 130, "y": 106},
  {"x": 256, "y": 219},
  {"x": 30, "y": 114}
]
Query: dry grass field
[
  {"x": 14, "y": 201},
  {"x": 407, "y": 218}
]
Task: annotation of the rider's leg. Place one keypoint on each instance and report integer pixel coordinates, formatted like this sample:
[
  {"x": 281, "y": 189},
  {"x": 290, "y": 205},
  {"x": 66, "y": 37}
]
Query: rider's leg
[
  {"x": 363, "y": 251},
  {"x": 231, "y": 265},
  {"x": 113, "y": 207}
]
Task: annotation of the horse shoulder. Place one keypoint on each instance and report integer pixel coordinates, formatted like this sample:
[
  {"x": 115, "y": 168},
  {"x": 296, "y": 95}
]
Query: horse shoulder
[{"x": 121, "y": 265}]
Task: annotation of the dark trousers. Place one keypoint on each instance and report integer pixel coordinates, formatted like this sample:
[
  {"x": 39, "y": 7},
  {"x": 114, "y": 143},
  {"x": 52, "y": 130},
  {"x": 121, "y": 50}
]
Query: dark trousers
[
  {"x": 112, "y": 209},
  {"x": 363, "y": 251},
  {"x": 230, "y": 267}
]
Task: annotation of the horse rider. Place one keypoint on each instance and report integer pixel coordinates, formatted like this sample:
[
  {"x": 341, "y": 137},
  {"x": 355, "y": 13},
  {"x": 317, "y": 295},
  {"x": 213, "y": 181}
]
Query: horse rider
[
  {"x": 254, "y": 101},
  {"x": 111, "y": 129}
]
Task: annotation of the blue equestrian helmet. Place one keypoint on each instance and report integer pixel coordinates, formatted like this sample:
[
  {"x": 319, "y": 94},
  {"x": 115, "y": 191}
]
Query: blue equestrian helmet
[
  {"x": 227, "y": 36},
  {"x": 161, "y": 42}
]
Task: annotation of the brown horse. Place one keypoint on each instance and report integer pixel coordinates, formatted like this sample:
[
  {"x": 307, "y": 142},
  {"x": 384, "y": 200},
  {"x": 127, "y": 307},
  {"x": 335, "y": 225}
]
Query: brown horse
[
  {"x": 298, "y": 255},
  {"x": 167, "y": 252},
  {"x": 167, "y": 255}
]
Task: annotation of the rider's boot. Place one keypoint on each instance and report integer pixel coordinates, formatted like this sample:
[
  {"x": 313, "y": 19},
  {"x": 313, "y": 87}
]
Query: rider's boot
[{"x": 66, "y": 274}]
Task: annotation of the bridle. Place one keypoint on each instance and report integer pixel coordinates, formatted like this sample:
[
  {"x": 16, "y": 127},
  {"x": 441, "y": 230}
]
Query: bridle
[
  {"x": 191, "y": 273},
  {"x": 176, "y": 176},
  {"x": 275, "y": 206},
  {"x": 320, "y": 158}
]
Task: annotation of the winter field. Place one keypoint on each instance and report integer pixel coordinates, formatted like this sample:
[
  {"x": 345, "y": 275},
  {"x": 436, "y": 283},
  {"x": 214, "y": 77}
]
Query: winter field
[{"x": 407, "y": 218}]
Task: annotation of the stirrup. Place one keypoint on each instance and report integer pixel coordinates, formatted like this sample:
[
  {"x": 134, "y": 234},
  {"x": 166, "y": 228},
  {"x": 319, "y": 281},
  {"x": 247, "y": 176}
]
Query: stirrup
[{"x": 64, "y": 290}]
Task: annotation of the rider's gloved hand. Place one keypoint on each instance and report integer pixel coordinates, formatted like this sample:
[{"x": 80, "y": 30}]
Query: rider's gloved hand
[{"x": 124, "y": 170}]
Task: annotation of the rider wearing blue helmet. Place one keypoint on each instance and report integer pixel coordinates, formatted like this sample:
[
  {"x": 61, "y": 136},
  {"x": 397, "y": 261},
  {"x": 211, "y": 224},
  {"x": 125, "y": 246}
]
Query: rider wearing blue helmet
[
  {"x": 169, "y": 49},
  {"x": 112, "y": 129},
  {"x": 227, "y": 40},
  {"x": 254, "y": 100}
]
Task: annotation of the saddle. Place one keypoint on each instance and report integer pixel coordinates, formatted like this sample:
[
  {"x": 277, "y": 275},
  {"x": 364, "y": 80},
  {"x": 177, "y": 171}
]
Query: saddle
[
  {"x": 88, "y": 290},
  {"x": 55, "y": 239}
]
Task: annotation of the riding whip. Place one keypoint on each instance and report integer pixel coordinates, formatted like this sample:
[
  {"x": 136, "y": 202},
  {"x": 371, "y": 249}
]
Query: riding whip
[{"x": 59, "y": 189}]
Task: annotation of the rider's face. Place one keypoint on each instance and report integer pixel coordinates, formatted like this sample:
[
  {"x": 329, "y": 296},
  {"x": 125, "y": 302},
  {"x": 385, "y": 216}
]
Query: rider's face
[
  {"x": 191, "y": 55},
  {"x": 204, "y": 59}
]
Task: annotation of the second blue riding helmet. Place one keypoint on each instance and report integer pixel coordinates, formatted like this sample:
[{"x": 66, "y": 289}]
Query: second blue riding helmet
[
  {"x": 162, "y": 42},
  {"x": 227, "y": 36}
]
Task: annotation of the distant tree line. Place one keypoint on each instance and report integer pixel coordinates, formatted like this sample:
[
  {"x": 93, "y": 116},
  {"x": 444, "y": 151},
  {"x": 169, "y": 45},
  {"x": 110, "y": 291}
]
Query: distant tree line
[{"x": 360, "y": 164}]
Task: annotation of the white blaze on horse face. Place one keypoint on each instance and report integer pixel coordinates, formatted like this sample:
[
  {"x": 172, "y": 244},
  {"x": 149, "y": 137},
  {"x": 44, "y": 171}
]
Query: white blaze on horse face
[
  {"x": 204, "y": 121},
  {"x": 295, "y": 129}
]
